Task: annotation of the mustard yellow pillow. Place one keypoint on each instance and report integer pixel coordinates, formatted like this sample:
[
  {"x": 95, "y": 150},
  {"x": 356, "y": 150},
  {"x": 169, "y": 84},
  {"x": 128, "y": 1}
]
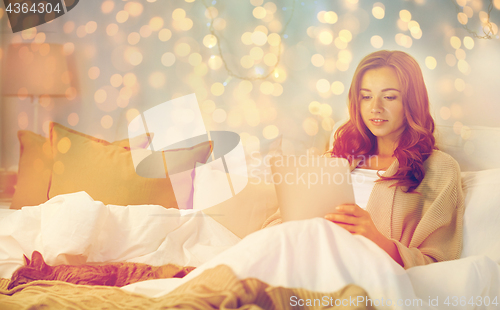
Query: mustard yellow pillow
[
  {"x": 106, "y": 171},
  {"x": 35, "y": 166}
]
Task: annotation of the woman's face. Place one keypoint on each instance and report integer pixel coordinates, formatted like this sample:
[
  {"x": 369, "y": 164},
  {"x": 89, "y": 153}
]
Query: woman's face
[{"x": 382, "y": 104}]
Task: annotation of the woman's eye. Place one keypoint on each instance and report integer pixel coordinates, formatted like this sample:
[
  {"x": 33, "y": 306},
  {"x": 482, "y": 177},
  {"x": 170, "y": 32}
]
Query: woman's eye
[
  {"x": 390, "y": 97},
  {"x": 365, "y": 97}
]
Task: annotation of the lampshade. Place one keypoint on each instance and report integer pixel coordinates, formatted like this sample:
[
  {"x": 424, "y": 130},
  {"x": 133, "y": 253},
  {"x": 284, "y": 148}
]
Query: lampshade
[{"x": 35, "y": 69}]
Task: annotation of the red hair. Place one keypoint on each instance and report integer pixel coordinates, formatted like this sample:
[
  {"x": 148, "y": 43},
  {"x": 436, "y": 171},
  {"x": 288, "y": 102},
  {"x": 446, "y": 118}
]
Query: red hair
[{"x": 417, "y": 142}]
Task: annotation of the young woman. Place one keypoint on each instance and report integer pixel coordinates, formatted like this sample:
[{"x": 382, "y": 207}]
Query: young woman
[{"x": 412, "y": 198}]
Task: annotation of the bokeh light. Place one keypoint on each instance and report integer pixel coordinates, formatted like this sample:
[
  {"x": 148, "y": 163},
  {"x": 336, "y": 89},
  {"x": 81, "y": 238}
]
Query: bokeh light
[
  {"x": 211, "y": 12},
  {"x": 377, "y": 41},
  {"x": 131, "y": 114},
  {"x": 266, "y": 87},
  {"x": 405, "y": 15},
  {"x": 122, "y": 16},
  {"x": 259, "y": 12},
  {"x": 145, "y": 31},
  {"x": 270, "y": 132},
  {"x": 94, "y": 73},
  {"x": 157, "y": 80},
  {"x": 112, "y": 29},
  {"x": 219, "y": 23},
  {"x": 156, "y": 23},
  {"x": 378, "y": 10},
  {"x": 451, "y": 60},
  {"x": 462, "y": 18},
  {"x": 106, "y": 121},
  {"x": 460, "y": 53},
  {"x": 107, "y": 6},
  {"x": 455, "y": 42},
  {"x": 274, "y": 39},
  {"x": 182, "y": 49},
  {"x": 164, "y": 35},
  {"x": 325, "y": 37},
  {"x": 58, "y": 167},
  {"x": 317, "y": 60},
  {"x": 430, "y": 62},
  {"x": 258, "y": 38},
  {"x": 246, "y": 38},
  {"x": 64, "y": 145},
  {"x": 116, "y": 80},
  {"x": 134, "y": 8},
  {"x": 247, "y": 62},
  {"x": 208, "y": 106},
  {"x": 129, "y": 79},
  {"x": 219, "y": 115},
  {"x": 195, "y": 59},
  {"x": 214, "y": 62},
  {"x": 23, "y": 120},
  {"x": 68, "y": 27},
  {"x": 217, "y": 89},
  {"x": 337, "y": 88},
  {"x": 270, "y": 59},
  {"x": 168, "y": 59},
  {"x": 459, "y": 85},
  {"x": 468, "y": 42},
  {"x": 210, "y": 40},
  {"x": 178, "y": 14},
  {"x": 310, "y": 126},
  {"x": 323, "y": 85},
  {"x": 445, "y": 113},
  {"x": 133, "y": 38},
  {"x": 91, "y": 27}
]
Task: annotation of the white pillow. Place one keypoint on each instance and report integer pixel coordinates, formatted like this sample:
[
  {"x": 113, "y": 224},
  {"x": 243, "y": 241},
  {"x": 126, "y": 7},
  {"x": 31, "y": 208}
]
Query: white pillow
[
  {"x": 475, "y": 148},
  {"x": 482, "y": 213}
]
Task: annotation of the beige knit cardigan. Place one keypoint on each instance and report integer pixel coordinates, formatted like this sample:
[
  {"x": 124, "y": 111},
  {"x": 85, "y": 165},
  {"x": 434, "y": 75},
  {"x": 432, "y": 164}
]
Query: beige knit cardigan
[{"x": 425, "y": 228}]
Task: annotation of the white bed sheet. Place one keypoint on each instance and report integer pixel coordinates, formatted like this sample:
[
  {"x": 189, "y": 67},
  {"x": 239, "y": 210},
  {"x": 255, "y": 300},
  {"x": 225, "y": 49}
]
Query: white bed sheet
[
  {"x": 321, "y": 256},
  {"x": 74, "y": 228}
]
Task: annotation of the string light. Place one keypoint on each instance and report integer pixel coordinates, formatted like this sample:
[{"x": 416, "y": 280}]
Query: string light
[
  {"x": 260, "y": 73},
  {"x": 487, "y": 28}
]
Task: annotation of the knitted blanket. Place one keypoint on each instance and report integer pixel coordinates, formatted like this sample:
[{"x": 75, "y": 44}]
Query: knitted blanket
[{"x": 216, "y": 288}]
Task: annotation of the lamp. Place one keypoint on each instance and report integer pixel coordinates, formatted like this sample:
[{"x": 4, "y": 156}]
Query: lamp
[{"x": 35, "y": 70}]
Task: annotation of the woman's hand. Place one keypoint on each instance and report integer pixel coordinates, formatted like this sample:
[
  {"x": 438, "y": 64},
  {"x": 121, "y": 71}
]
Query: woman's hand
[
  {"x": 359, "y": 222},
  {"x": 355, "y": 220}
]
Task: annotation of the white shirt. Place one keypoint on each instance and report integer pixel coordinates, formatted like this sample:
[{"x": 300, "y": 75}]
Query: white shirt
[{"x": 363, "y": 181}]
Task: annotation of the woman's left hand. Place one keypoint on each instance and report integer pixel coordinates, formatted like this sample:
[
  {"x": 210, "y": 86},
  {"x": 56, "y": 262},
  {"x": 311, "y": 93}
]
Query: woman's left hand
[{"x": 355, "y": 220}]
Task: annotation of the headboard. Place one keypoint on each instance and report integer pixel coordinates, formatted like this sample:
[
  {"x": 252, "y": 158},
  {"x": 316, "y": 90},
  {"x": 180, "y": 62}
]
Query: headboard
[{"x": 475, "y": 148}]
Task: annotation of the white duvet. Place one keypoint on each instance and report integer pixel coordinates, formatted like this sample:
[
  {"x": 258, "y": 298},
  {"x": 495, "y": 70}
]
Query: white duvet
[
  {"x": 74, "y": 228},
  {"x": 313, "y": 254}
]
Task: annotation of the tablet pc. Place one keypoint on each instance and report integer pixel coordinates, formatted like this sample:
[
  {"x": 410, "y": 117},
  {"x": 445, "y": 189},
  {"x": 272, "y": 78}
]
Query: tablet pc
[{"x": 309, "y": 187}]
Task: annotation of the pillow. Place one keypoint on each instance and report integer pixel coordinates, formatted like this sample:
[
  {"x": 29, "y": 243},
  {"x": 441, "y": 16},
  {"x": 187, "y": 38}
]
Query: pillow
[
  {"x": 244, "y": 212},
  {"x": 106, "y": 171},
  {"x": 482, "y": 214},
  {"x": 475, "y": 148},
  {"x": 35, "y": 166}
]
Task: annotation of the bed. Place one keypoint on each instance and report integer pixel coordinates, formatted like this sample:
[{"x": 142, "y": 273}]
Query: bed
[{"x": 238, "y": 264}]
